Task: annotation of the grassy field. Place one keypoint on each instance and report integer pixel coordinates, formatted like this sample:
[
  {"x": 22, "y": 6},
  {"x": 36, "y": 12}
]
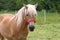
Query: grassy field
[{"x": 50, "y": 30}]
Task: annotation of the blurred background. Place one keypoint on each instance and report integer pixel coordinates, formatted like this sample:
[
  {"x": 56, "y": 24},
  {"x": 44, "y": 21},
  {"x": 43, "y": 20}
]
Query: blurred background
[
  {"x": 47, "y": 25},
  {"x": 48, "y": 5}
]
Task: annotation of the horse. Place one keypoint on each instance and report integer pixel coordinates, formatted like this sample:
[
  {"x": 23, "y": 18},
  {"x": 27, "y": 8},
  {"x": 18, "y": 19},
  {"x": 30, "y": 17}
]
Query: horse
[{"x": 16, "y": 27}]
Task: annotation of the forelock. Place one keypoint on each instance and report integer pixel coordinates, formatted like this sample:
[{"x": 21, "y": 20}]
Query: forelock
[{"x": 31, "y": 8}]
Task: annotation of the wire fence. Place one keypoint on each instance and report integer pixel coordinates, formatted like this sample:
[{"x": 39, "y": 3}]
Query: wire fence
[{"x": 48, "y": 17}]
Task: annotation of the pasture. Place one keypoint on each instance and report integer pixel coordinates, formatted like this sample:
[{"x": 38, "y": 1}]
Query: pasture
[{"x": 44, "y": 31}]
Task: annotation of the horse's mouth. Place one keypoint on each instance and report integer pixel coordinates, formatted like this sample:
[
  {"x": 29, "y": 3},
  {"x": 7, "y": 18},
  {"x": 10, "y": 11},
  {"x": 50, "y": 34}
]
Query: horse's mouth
[{"x": 31, "y": 26}]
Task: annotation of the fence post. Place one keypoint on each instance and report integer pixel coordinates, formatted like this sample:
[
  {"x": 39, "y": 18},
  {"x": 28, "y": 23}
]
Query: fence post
[{"x": 44, "y": 12}]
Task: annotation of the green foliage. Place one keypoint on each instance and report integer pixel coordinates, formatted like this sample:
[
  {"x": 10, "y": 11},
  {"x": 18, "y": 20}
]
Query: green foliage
[
  {"x": 7, "y": 4},
  {"x": 42, "y": 4},
  {"x": 49, "y": 4}
]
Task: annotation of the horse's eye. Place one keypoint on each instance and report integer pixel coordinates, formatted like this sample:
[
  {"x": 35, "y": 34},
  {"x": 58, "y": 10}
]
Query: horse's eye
[
  {"x": 35, "y": 14},
  {"x": 26, "y": 14}
]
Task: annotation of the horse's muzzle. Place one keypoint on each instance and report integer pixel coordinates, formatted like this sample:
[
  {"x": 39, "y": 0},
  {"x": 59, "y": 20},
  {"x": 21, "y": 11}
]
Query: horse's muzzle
[{"x": 31, "y": 26}]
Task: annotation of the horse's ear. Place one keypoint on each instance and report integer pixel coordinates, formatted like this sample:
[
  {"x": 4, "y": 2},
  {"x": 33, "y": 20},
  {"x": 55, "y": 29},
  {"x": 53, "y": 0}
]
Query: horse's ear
[
  {"x": 25, "y": 6},
  {"x": 36, "y": 5}
]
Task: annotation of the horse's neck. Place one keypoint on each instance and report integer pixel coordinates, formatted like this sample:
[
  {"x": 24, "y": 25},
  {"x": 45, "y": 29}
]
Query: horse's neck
[
  {"x": 20, "y": 17},
  {"x": 22, "y": 25}
]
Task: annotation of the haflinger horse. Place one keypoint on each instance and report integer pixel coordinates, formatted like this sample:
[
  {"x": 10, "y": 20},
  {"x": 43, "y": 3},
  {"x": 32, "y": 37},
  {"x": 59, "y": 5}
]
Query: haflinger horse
[{"x": 16, "y": 27}]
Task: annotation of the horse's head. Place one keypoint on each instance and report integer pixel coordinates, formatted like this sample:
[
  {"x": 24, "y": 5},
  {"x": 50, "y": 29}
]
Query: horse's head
[{"x": 30, "y": 15}]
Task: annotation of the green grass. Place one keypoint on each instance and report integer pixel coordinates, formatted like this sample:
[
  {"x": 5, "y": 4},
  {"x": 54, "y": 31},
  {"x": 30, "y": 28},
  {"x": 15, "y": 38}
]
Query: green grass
[
  {"x": 45, "y": 31},
  {"x": 50, "y": 18}
]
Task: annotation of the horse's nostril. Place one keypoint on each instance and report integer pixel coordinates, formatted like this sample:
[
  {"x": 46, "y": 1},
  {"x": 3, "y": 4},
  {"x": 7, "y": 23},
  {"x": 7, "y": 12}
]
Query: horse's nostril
[{"x": 31, "y": 28}]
